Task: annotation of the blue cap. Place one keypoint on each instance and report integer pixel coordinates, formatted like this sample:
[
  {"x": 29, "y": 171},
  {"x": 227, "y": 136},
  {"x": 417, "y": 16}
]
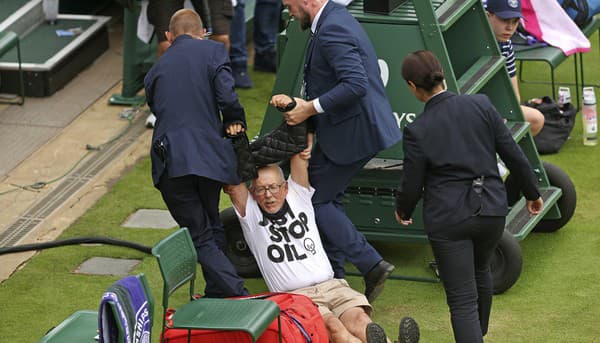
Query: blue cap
[{"x": 505, "y": 9}]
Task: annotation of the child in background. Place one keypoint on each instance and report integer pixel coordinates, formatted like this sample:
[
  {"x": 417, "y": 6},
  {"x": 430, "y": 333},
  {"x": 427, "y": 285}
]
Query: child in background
[{"x": 504, "y": 16}]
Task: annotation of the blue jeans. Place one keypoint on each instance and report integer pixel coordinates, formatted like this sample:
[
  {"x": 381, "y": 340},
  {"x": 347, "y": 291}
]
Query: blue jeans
[
  {"x": 237, "y": 35},
  {"x": 266, "y": 25}
]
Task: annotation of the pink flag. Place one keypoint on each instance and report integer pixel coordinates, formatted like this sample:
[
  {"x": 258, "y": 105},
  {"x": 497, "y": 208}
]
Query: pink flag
[{"x": 548, "y": 22}]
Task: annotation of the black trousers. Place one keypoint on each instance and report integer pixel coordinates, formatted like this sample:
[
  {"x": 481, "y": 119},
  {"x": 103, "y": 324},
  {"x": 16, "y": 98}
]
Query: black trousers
[
  {"x": 194, "y": 203},
  {"x": 463, "y": 253}
]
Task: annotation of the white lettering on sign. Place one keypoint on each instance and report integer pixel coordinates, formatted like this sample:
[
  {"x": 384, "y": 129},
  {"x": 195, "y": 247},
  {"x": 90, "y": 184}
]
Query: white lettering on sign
[{"x": 408, "y": 117}]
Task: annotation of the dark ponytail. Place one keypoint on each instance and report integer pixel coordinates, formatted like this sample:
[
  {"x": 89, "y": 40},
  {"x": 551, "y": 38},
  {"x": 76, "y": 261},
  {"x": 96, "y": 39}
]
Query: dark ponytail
[{"x": 423, "y": 69}]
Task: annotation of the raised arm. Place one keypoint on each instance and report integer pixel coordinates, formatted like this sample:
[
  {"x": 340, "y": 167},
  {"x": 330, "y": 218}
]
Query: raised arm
[
  {"x": 299, "y": 164},
  {"x": 238, "y": 195}
]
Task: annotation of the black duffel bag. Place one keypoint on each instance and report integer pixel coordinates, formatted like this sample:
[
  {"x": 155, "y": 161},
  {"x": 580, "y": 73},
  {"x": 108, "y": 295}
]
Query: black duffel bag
[{"x": 558, "y": 124}]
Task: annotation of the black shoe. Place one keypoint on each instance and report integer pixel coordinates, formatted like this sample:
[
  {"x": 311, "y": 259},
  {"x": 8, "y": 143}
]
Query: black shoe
[
  {"x": 375, "y": 279},
  {"x": 375, "y": 333},
  {"x": 265, "y": 61},
  {"x": 409, "y": 331},
  {"x": 241, "y": 77}
]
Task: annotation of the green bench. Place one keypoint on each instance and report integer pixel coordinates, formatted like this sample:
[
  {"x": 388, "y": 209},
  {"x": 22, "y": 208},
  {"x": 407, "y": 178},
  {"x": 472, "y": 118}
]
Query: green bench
[
  {"x": 81, "y": 326},
  {"x": 554, "y": 57}
]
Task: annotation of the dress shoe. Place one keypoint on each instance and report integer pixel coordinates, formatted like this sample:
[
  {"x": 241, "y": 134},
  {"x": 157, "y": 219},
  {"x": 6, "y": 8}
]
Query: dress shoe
[
  {"x": 265, "y": 61},
  {"x": 375, "y": 333},
  {"x": 409, "y": 331},
  {"x": 375, "y": 279}
]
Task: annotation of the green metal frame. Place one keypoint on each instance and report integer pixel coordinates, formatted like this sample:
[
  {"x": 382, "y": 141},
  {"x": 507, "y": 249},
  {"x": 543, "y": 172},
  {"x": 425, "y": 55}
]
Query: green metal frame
[
  {"x": 458, "y": 32},
  {"x": 554, "y": 57}
]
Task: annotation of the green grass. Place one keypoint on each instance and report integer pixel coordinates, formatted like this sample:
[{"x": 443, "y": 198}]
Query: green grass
[{"x": 555, "y": 300}]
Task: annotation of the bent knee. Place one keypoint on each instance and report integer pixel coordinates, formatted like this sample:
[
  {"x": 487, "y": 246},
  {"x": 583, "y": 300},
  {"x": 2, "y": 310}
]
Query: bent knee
[
  {"x": 535, "y": 118},
  {"x": 334, "y": 325}
]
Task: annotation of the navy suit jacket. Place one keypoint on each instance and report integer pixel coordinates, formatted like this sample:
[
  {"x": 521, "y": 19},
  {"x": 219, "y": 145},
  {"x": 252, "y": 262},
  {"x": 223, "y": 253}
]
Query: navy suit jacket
[
  {"x": 341, "y": 69},
  {"x": 186, "y": 89},
  {"x": 453, "y": 142}
]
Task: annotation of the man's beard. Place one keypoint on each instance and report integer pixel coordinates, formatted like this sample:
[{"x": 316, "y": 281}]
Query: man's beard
[{"x": 304, "y": 20}]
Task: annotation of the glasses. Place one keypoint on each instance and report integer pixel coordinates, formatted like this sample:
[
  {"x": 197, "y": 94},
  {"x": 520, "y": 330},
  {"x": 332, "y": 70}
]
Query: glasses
[{"x": 273, "y": 189}]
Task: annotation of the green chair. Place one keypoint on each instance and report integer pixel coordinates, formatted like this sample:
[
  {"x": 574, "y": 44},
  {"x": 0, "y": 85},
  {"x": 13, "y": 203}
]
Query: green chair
[
  {"x": 176, "y": 256},
  {"x": 82, "y": 326},
  {"x": 554, "y": 57},
  {"x": 8, "y": 41}
]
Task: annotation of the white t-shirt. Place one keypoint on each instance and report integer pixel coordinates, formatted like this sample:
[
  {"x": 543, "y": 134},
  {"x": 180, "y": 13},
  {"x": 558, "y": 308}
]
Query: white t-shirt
[{"x": 289, "y": 252}]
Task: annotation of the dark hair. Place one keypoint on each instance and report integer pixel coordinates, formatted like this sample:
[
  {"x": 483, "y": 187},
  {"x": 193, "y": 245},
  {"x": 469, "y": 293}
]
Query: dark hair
[{"x": 423, "y": 69}]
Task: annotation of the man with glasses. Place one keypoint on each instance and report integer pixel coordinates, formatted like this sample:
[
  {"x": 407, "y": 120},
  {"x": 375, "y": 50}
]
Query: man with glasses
[{"x": 278, "y": 222}]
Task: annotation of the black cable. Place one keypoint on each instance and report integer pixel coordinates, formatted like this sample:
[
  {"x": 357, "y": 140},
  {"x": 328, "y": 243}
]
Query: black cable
[{"x": 75, "y": 241}]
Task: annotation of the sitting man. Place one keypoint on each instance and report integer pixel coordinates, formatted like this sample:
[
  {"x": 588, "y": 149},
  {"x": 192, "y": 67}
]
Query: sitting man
[
  {"x": 504, "y": 16},
  {"x": 279, "y": 226}
]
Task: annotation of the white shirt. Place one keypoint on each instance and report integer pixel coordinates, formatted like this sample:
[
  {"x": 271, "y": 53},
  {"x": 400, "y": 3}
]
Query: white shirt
[{"x": 289, "y": 252}]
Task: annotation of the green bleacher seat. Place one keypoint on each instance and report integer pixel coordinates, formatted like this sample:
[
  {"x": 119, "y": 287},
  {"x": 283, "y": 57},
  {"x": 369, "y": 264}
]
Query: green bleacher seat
[{"x": 554, "y": 57}]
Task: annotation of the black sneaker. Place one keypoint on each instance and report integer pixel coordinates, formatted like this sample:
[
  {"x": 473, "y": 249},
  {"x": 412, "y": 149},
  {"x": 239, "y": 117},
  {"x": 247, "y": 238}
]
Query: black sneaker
[
  {"x": 375, "y": 333},
  {"x": 375, "y": 279},
  {"x": 409, "y": 331}
]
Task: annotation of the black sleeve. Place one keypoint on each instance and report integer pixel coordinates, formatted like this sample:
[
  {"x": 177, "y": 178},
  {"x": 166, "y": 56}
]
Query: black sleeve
[
  {"x": 224, "y": 87},
  {"x": 413, "y": 176},
  {"x": 512, "y": 155}
]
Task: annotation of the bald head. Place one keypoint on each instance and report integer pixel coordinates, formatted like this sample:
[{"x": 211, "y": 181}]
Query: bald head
[
  {"x": 269, "y": 189},
  {"x": 186, "y": 21},
  {"x": 269, "y": 173}
]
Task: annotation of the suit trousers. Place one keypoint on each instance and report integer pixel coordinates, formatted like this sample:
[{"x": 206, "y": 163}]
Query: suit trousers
[
  {"x": 463, "y": 253},
  {"x": 194, "y": 203},
  {"x": 341, "y": 239}
]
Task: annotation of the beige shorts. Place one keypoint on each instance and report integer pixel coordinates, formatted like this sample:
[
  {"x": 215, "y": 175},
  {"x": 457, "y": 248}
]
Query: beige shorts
[{"x": 335, "y": 296}]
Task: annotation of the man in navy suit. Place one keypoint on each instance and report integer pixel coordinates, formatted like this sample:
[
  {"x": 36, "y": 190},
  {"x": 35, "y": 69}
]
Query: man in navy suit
[
  {"x": 346, "y": 101},
  {"x": 187, "y": 89}
]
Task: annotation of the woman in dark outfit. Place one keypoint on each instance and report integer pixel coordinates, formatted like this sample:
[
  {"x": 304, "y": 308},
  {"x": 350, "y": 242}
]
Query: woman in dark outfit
[{"x": 450, "y": 161}]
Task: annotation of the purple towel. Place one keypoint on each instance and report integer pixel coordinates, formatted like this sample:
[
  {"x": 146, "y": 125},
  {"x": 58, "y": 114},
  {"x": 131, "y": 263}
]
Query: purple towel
[{"x": 131, "y": 302}]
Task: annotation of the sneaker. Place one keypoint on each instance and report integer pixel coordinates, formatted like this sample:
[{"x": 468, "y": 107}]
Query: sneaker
[
  {"x": 241, "y": 77},
  {"x": 265, "y": 61},
  {"x": 409, "y": 331},
  {"x": 375, "y": 333},
  {"x": 375, "y": 279},
  {"x": 150, "y": 121}
]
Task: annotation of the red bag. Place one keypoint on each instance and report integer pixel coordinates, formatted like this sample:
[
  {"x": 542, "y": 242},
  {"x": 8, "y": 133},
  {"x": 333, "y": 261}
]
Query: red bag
[{"x": 301, "y": 322}]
